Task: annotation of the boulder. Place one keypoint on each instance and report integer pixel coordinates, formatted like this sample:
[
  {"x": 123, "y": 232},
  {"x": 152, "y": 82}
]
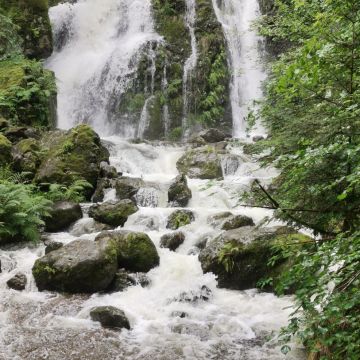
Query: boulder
[
  {"x": 240, "y": 257},
  {"x": 135, "y": 251},
  {"x": 201, "y": 163},
  {"x": 172, "y": 241},
  {"x": 101, "y": 186},
  {"x": 62, "y": 215},
  {"x": 52, "y": 246},
  {"x": 26, "y": 156},
  {"x": 237, "y": 221},
  {"x": 179, "y": 193},
  {"x": 107, "y": 171},
  {"x": 212, "y": 135},
  {"x": 18, "y": 282},
  {"x": 71, "y": 155},
  {"x": 82, "y": 266},
  {"x": 5, "y": 150},
  {"x": 110, "y": 317},
  {"x": 217, "y": 219},
  {"x": 123, "y": 279},
  {"x": 127, "y": 187},
  {"x": 114, "y": 213},
  {"x": 18, "y": 133},
  {"x": 180, "y": 218}
]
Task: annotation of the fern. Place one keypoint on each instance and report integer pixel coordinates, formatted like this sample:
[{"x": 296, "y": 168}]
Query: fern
[{"x": 74, "y": 192}]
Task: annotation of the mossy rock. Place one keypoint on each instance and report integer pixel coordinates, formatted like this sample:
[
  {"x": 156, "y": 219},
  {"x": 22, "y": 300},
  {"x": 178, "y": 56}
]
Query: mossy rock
[
  {"x": 201, "y": 163},
  {"x": 114, "y": 213},
  {"x": 26, "y": 156},
  {"x": 72, "y": 155},
  {"x": 180, "y": 218},
  {"x": 179, "y": 193},
  {"x": 240, "y": 258},
  {"x": 5, "y": 150},
  {"x": 135, "y": 251}
]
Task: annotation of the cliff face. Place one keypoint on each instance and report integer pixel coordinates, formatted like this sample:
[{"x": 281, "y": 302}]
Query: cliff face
[{"x": 27, "y": 91}]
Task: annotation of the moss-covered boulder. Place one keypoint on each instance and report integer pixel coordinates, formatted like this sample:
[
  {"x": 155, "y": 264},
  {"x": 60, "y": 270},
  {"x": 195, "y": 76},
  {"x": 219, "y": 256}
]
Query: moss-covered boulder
[
  {"x": 5, "y": 150},
  {"x": 82, "y": 266},
  {"x": 71, "y": 155},
  {"x": 237, "y": 221},
  {"x": 135, "y": 251},
  {"x": 114, "y": 213},
  {"x": 62, "y": 215},
  {"x": 26, "y": 156},
  {"x": 179, "y": 192},
  {"x": 240, "y": 258},
  {"x": 201, "y": 163},
  {"x": 180, "y": 218}
]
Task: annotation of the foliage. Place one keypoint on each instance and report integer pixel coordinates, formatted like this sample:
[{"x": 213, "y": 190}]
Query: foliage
[
  {"x": 21, "y": 211},
  {"x": 74, "y": 192},
  {"x": 228, "y": 254}
]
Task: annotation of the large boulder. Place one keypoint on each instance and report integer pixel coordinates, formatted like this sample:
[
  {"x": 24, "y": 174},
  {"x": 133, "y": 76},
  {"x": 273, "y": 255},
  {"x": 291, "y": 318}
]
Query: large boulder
[
  {"x": 127, "y": 187},
  {"x": 180, "y": 218},
  {"x": 72, "y": 155},
  {"x": 237, "y": 221},
  {"x": 26, "y": 156},
  {"x": 179, "y": 193},
  {"x": 82, "y": 266},
  {"x": 62, "y": 215},
  {"x": 5, "y": 150},
  {"x": 172, "y": 241},
  {"x": 240, "y": 257},
  {"x": 110, "y": 317},
  {"x": 114, "y": 213},
  {"x": 201, "y": 163},
  {"x": 135, "y": 251}
]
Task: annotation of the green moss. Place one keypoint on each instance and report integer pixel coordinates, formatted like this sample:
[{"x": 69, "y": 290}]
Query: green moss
[{"x": 5, "y": 150}]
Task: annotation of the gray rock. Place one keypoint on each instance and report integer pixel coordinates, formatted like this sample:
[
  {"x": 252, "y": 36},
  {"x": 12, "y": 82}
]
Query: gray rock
[
  {"x": 237, "y": 221},
  {"x": 212, "y": 135},
  {"x": 52, "y": 246},
  {"x": 179, "y": 193},
  {"x": 107, "y": 171},
  {"x": 18, "y": 282},
  {"x": 62, "y": 215},
  {"x": 110, "y": 317},
  {"x": 99, "y": 193},
  {"x": 82, "y": 266},
  {"x": 114, "y": 213},
  {"x": 180, "y": 218},
  {"x": 172, "y": 241},
  {"x": 123, "y": 279},
  {"x": 217, "y": 219},
  {"x": 127, "y": 187}
]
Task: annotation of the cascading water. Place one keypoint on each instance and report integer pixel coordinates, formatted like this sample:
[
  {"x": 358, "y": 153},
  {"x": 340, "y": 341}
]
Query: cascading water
[
  {"x": 101, "y": 42},
  {"x": 237, "y": 18},
  {"x": 191, "y": 62}
]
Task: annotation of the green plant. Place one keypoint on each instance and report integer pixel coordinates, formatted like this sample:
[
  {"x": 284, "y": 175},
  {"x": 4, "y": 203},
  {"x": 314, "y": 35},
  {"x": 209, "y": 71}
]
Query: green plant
[
  {"x": 227, "y": 255},
  {"x": 75, "y": 192}
]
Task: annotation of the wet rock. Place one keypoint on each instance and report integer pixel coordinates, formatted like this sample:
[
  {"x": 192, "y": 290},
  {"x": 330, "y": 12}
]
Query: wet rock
[
  {"x": 18, "y": 282},
  {"x": 135, "y": 251},
  {"x": 250, "y": 255},
  {"x": 17, "y": 133},
  {"x": 122, "y": 280},
  {"x": 179, "y": 193},
  {"x": 172, "y": 241},
  {"x": 99, "y": 193},
  {"x": 201, "y": 243},
  {"x": 88, "y": 226},
  {"x": 180, "y": 218},
  {"x": 26, "y": 156},
  {"x": 217, "y": 219},
  {"x": 107, "y": 171},
  {"x": 110, "y": 317},
  {"x": 180, "y": 314},
  {"x": 52, "y": 246},
  {"x": 62, "y": 215},
  {"x": 82, "y": 266},
  {"x": 237, "y": 221},
  {"x": 212, "y": 135},
  {"x": 202, "y": 294},
  {"x": 257, "y": 138},
  {"x": 114, "y": 213},
  {"x": 5, "y": 150},
  {"x": 201, "y": 163},
  {"x": 126, "y": 187}
]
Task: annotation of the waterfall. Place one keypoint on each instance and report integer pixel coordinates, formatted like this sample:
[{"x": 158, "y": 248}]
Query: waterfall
[
  {"x": 101, "y": 44},
  {"x": 237, "y": 17},
  {"x": 166, "y": 114},
  {"x": 191, "y": 62}
]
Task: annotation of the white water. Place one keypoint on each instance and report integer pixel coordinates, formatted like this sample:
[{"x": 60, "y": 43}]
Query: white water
[
  {"x": 99, "y": 60},
  {"x": 190, "y": 64},
  {"x": 232, "y": 325},
  {"x": 237, "y": 18}
]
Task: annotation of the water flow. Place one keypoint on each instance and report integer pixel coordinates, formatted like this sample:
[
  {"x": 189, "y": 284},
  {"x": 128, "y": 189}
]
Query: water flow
[
  {"x": 190, "y": 64},
  {"x": 101, "y": 44},
  {"x": 166, "y": 113},
  {"x": 237, "y": 17}
]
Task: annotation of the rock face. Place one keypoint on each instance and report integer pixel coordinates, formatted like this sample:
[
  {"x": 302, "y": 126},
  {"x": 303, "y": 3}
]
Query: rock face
[
  {"x": 127, "y": 188},
  {"x": 18, "y": 282},
  {"x": 62, "y": 215},
  {"x": 179, "y": 193},
  {"x": 180, "y": 218},
  {"x": 72, "y": 155},
  {"x": 248, "y": 260},
  {"x": 114, "y": 213},
  {"x": 110, "y": 317},
  {"x": 135, "y": 251},
  {"x": 172, "y": 241},
  {"x": 5, "y": 150},
  {"x": 237, "y": 221},
  {"x": 201, "y": 163},
  {"x": 80, "y": 266}
]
